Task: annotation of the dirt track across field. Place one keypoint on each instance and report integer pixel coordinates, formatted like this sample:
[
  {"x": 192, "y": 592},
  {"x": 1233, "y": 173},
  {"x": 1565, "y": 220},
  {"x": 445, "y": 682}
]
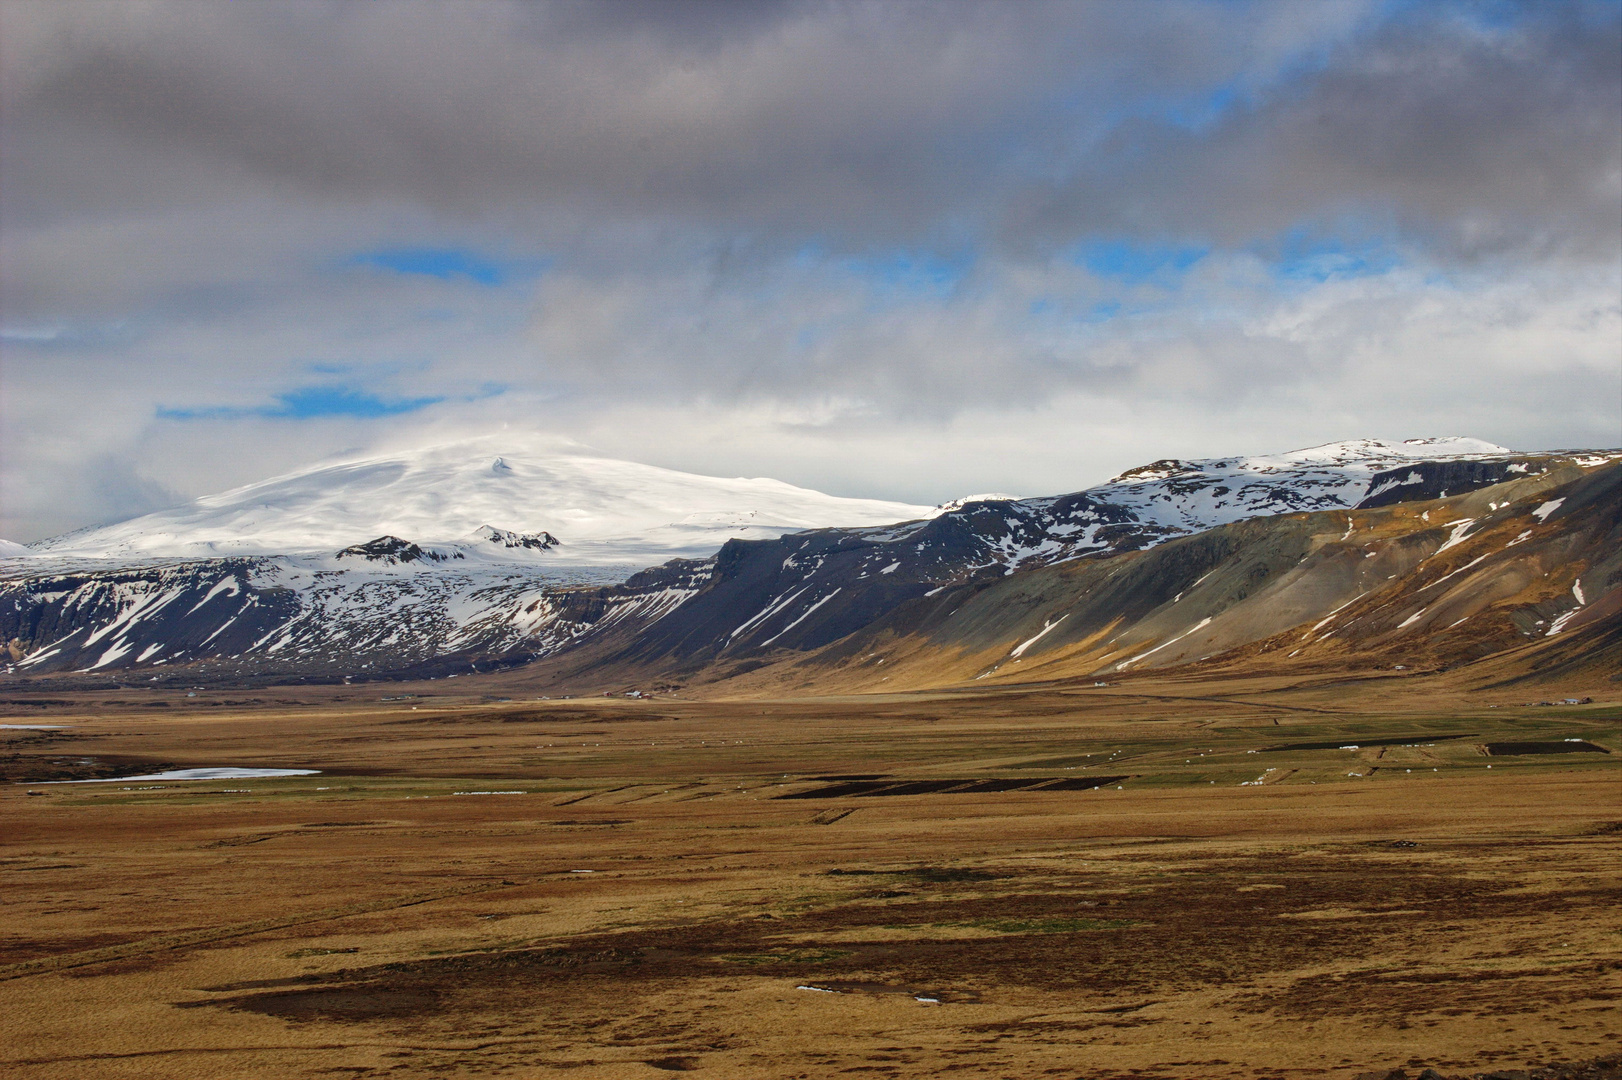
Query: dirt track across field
[{"x": 1314, "y": 879}]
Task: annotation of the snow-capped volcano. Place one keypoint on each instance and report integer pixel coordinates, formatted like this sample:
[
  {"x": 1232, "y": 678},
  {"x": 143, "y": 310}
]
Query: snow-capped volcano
[{"x": 477, "y": 496}]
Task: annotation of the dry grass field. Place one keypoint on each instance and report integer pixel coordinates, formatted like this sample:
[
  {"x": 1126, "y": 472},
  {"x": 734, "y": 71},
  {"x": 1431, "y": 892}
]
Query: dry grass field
[{"x": 1278, "y": 879}]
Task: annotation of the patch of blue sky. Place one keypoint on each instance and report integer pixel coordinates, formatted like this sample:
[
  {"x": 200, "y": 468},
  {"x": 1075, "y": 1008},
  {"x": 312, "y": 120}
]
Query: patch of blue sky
[
  {"x": 1200, "y": 112},
  {"x": 450, "y": 264},
  {"x": 912, "y": 272},
  {"x": 1201, "y": 108},
  {"x": 1136, "y": 263},
  {"x": 810, "y": 254},
  {"x": 307, "y": 403},
  {"x": 1306, "y": 258},
  {"x": 1100, "y": 313},
  {"x": 1197, "y": 109},
  {"x": 313, "y": 401},
  {"x": 1094, "y": 313}
]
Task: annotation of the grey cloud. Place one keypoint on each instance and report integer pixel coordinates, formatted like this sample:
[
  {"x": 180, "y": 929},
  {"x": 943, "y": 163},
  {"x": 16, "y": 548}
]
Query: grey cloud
[
  {"x": 1477, "y": 142},
  {"x": 857, "y": 125},
  {"x": 870, "y": 120}
]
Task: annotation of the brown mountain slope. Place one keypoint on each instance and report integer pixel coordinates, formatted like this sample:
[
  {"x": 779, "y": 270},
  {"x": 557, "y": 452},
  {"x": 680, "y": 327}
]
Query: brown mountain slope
[{"x": 1527, "y": 573}]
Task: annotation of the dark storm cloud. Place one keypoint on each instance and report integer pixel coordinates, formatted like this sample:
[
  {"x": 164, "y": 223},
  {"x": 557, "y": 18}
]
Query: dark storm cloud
[
  {"x": 858, "y": 120},
  {"x": 854, "y": 122}
]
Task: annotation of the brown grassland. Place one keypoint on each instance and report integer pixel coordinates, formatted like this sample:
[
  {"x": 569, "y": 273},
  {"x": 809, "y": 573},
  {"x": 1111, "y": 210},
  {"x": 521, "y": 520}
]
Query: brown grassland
[{"x": 612, "y": 888}]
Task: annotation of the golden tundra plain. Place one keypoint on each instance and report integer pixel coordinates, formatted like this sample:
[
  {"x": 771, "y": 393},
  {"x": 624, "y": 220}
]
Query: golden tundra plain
[{"x": 1164, "y": 877}]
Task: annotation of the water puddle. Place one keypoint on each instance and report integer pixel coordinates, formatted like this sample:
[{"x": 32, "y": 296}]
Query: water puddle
[{"x": 198, "y": 774}]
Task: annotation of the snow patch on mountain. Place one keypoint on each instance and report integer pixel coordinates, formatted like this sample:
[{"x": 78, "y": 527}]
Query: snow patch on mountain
[{"x": 1190, "y": 496}]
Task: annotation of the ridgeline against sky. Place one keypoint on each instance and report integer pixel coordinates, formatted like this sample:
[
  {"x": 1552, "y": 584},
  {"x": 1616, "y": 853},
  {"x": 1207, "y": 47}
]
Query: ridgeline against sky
[{"x": 886, "y": 250}]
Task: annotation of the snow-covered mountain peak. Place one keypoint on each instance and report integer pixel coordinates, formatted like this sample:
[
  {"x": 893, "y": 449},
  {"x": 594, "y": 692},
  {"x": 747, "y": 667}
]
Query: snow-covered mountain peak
[
  {"x": 1354, "y": 450},
  {"x": 1361, "y": 455},
  {"x": 959, "y": 503},
  {"x": 1173, "y": 497},
  {"x": 506, "y": 538},
  {"x": 598, "y": 510},
  {"x": 1164, "y": 469}
]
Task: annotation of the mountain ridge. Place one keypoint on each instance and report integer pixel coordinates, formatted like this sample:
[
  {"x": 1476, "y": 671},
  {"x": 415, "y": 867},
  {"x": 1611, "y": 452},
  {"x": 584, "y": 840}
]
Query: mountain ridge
[
  {"x": 394, "y": 609},
  {"x": 1355, "y": 582},
  {"x": 602, "y": 510}
]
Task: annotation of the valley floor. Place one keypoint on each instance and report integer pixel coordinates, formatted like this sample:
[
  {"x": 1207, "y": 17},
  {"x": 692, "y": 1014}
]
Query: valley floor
[{"x": 1279, "y": 879}]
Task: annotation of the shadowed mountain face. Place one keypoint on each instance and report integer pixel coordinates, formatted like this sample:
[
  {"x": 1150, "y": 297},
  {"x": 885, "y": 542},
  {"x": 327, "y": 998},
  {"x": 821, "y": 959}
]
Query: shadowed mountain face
[{"x": 1318, "y": 562}]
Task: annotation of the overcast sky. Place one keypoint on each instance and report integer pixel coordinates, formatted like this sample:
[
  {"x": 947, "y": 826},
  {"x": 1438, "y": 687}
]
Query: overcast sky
[{"x": 894, "y": 250}]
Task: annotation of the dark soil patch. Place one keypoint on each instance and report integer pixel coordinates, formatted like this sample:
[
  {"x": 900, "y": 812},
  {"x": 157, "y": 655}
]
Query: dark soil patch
[
  {"x": 1368, "y": 740},
  {"x": 999, "y": 785},
  {"x": 838, "y": 790},
  {"x": 916, "y": 787},
  {"x": 1084, "y": 783},
  {"x": 882, "y": 788},
  {"x": 338, "y": 1003},
  {"x": 45, "y": 768},
  {"x": 674, "y": 1064}
]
